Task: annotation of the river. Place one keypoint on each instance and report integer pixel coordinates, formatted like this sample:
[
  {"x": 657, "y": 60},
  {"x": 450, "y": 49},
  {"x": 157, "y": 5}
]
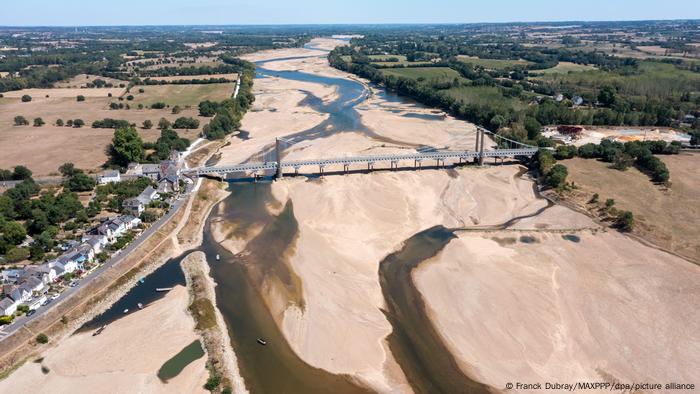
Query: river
[{"x": 253, "y": 283}]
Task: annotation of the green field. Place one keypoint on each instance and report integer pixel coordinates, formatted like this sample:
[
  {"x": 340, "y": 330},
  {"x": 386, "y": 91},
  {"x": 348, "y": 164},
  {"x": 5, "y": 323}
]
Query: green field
[
  {"x": 432, "y": 74},
  {"x": 564, "y": 68},
  {"x": 485, "y": 95},
  {"x": 496, "y": 64},
  {"x": 182, "y": 95},
  {"x": 653, "y": 79}
]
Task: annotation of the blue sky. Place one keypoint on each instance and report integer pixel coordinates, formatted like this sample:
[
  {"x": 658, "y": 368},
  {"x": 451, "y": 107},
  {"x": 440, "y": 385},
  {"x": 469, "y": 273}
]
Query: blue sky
[{"x": 179, "y": 12}]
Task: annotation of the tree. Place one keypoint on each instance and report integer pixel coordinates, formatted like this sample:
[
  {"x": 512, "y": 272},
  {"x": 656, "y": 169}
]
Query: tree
[
  {"x": 147, "y": 124},
  {"x": 609, "y": 203},
  {"x": 622, "y": 161},
  {"x": 26, "y": 98},
  {"x": 6, "y": 320},
  {"x": 80, "y": 182},
  {"x": 14, "y": 233},
  {"x": 557, "y": 176},
  {"x": 625, "y": 221},
  {"x": 42, "y": 338},
  {"x": 212, "y": 382},
  {"x": 69, "y": 123},
  {"x": 176, "y": 110},
  {"x": 164, "y": 124},
  {"x": 21, "y": 173},
  {"x": 38, "y": 122},
  {"x": 67, "y": 169},
  {"x": 607, "y": 96},
  {"x": 185, "y": 123},
  {"x": 533, "y": 127},
  {"x": 126, "y": 146},
  {"x": 81, "y": 98},
  {"x": 21, "y": 121},
  {"x": 59, "y": 122},
  {"x": 78, "y": 123},
  {"x": 594, "y": 199}
]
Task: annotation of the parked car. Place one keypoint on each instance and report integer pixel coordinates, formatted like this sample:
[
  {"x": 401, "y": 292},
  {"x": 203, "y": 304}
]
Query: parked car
[
  {"x": 73, "y": 283},
  {"x": 53, "y": 297},
  {"x": 31, "y": 312}
]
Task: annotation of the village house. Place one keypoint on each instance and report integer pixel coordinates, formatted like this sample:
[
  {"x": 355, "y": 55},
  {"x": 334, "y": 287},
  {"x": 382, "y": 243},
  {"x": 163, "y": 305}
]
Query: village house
[
  {"x": 116, "y": 227},
  {"x": 20, "y": 294},
  {"x": 109, "y": 177},
  {"x": 8, "y": 306},
  {"x": 138, "y": 204}
]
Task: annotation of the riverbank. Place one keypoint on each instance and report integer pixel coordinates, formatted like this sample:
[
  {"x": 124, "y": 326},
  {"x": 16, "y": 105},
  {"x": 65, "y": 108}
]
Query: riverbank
[
  {"x": 210, "y": 324},
  {"x": 125, "y": 357}
]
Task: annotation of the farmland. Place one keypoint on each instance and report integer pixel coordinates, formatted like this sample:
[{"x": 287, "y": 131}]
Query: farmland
[
  {"x": 433, "y": 74},
  {"x": 182, "y": 95},
  {"x": 229, "y": 77},
  {"x": 565, "y": 68},
  {"x": 495, "y": 64}
]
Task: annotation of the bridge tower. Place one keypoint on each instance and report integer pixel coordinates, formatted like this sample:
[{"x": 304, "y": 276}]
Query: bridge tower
[
  {"x": 481, "y": 148},
  {"x": 278, "y": 154}
]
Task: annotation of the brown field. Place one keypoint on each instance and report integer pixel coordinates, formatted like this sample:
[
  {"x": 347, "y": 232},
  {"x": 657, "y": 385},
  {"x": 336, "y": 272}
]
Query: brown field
[
  {"x": 40, "y": 94},
  {"x": 230, "y": 77},
  {"x": 668, "y": 218},
  {"x": 80, "y": 80},
  {"x": 37, "y": 147}
]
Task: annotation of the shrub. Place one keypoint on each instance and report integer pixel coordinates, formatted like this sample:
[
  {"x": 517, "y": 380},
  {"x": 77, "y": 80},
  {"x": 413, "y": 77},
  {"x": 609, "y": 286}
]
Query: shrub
[
  {"x": 38, "y": 122},
  {"x": 147, "y": 124},
  {"x": 625, "y": 221},
  {"x": 158, "y": 105},
  {"x": 186, "y": 123},
  {"x": 176, "y": 109},
  {"x": 6, "y": 320},
  {"x": 78, "y": 123},
  {"x": 80, "y": 98},
  {"x": 59, "y": 122},
  {"x": 130, "y": 97},
  {"x": 21, "y": 121},
  {"x": 42, "y": 338},
  {"x": 212, "y": 382},
  {"x": 26, "y": 98}
]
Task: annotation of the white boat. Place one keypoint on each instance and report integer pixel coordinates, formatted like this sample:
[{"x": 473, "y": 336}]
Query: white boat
[
  {"x": 126, "y": 310},
  {"x": 140, "y": 305},
  {"x": 218, "y": 257}
]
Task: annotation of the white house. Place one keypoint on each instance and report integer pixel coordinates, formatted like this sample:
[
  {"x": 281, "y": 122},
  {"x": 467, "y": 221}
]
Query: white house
[
  {"x": 8, "y": 306},
  {"x": 36, "y": 303},
  {"x": 96, "y": 242},
  {"x": 21, "y": 294},
  {"x": 138, "y": 204},
  {"x": 35, "y": 285},
  {"x": 110, "y": 176}
]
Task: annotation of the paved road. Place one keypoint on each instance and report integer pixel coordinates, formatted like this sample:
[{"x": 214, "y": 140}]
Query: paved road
[{"x": 19, "y": 322}]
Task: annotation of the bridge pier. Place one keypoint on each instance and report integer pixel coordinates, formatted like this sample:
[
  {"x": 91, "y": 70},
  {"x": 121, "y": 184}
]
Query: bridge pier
[
  {"x": 394, "y": 165},
  {"x": 481, "y": 149},
  {"x": 320, "y": 169},
  {"x": 346, "y": 168},
  {"x": 278, "y": 153},
  {"x": 296, "y": 171},
  {"x": 417, "y": 164},
  {"x": 370, "y": 166},
  {"x": 476, "y": 148}
]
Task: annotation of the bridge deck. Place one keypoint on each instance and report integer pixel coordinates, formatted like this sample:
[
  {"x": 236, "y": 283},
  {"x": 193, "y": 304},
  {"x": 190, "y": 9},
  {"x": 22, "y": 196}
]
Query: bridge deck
[{"x": 371, "y": 159}]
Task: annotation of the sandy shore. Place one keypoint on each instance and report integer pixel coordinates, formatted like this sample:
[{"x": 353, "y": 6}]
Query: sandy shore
[
  {"x": 124, "y": 358},
  {"x": 604, "y": 309}
]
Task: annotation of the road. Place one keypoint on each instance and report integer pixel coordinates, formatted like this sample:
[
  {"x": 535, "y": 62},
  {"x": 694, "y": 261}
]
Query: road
[{"x": 19, "y": 322}]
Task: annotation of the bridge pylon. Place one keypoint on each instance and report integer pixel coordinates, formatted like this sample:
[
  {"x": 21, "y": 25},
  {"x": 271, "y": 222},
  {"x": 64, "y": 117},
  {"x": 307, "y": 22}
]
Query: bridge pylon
[{"x": 278, "y": 154}]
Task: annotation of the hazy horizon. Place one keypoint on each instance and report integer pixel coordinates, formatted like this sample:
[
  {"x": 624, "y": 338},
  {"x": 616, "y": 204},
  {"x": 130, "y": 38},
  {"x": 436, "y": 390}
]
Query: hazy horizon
[{"x": 72, "y": 13}]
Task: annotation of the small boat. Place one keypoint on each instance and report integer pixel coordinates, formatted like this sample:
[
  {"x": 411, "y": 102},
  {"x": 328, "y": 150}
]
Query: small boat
[
  {"x": 126, "y": 310},
  {"x": 163, "y": 289},
  {"x": 142, "y": 280},
  {"x": 140, "y": 305},
  {"x": 99, "y": 331},
  {"x": 262, "y": 341},
  {"x": 218, "y": 257}
]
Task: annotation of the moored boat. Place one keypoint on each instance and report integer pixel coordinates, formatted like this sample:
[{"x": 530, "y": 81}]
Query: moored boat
[{"x": 262, "y": 341}]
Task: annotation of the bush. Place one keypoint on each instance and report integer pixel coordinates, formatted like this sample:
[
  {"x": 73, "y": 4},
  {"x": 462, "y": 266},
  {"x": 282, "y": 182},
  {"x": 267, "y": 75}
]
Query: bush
[
  {"x": 176, "y": 110},
  {"x": 42, "y": 338},
  {"x": 80, "y": 98},
  {"x": 6, "y": 320},
  {"x": 38, "y": 122},
  {"x": 186, "y": 123},
  {"x": 78, "y": 123},
  {"x": 158, "y": 105},
  {"x": 21, "y": 121},
  {"x": 625, "y": 221},
  {"x": 59, "y": 122},
  {"x": 212, "y": 382},
  {"x": 147, "y": 124},
  {"x": 557, "y": 176},
  {"x": 130, "y": 97},
  {"x": 26, "y": 98}
]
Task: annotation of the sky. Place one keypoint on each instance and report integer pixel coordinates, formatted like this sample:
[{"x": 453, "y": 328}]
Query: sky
[{"x": 236, "y": 12}]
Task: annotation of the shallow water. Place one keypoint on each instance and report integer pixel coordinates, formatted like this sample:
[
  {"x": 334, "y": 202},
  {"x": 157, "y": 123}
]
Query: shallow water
[{"x": 182, "y": 359}]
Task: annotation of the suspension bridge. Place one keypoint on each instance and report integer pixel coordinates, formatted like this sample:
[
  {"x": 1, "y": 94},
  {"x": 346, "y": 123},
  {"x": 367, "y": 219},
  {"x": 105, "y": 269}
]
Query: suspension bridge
[{"x": 503, "y": 148}]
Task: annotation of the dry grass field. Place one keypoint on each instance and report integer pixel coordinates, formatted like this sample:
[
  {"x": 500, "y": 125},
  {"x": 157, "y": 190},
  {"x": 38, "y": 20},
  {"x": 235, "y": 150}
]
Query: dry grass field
[
  {"x": 81, "y": 80},
  {"x": 45, "y": 148},
  {"x": 40, "y": 94},
  {"x": 668, "y": 218},
  {"x": 230, "y": 77},
  {"x": 182, "y": 95}
]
